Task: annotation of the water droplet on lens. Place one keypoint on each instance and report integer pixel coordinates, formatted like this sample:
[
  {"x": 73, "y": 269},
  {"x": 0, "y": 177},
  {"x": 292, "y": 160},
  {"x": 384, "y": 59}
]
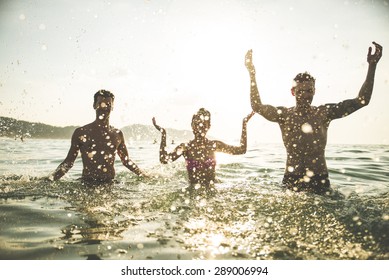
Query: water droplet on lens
[
  {"x": 306, "y": 128},
  {"x": 293, "y": 231}
]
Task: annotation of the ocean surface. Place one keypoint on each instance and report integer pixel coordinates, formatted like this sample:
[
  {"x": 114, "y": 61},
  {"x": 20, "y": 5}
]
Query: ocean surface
[{"x": 251, "y": 216}]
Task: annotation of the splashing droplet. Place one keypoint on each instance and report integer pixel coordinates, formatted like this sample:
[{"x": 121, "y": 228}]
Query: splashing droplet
[
  {"x": 293, "y": 231},
  {"x": 306, "y": 128},
  {"x": 310, "y": 173}
]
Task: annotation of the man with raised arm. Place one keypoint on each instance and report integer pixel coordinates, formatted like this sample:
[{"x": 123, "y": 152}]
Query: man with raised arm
[{"x": 304, "y": 127}]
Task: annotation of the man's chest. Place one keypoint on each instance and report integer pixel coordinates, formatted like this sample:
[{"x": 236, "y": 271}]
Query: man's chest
[
  {"x": 298, "y": 123},
  {"x": 101, "y": 141}
]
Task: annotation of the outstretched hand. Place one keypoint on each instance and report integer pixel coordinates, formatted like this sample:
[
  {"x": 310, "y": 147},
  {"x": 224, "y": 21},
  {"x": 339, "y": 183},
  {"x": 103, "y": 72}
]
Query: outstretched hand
[
  {"x": 374, "y": 58},
  {"x": 162, "y": 130},
  {"x": 249, "y": 62}
]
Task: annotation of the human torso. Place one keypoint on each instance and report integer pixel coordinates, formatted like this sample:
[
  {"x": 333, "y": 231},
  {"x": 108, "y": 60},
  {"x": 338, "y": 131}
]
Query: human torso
[
  {"x": 98, "y": 147},
  {"x": 304, "y": 135},
  {"x": 200, "y": 161}
]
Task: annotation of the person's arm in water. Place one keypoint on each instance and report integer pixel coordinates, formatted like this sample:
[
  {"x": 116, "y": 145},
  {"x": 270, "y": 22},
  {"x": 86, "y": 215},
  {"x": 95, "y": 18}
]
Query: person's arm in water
[
  {"x": 236, "y": 150},
  {"x": 164, "y": 156},
  {"x": 269, "y": 112},
  {"x": 124, "y": 157},
  {"x": 68, "y": 162},
  {"x": 349, "y": 106}
]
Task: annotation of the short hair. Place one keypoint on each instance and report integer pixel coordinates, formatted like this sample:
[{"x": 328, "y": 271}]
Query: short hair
[
  {"x": 304, "y": 77},
  {"x": 203, "y": 116},
  {"x": 103, "y": 93}
]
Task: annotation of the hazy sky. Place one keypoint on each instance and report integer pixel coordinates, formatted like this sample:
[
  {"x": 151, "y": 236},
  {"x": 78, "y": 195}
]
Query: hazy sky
[{"x": 169, "y": 58}]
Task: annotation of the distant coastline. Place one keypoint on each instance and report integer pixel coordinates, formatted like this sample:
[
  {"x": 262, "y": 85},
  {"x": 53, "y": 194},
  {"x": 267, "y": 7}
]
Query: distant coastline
[{"x": 19, "y": 129}]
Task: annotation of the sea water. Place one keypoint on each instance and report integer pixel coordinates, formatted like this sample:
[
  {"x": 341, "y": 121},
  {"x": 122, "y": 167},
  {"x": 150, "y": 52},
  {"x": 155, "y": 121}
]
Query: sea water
[{"x": 250, "y": 217}]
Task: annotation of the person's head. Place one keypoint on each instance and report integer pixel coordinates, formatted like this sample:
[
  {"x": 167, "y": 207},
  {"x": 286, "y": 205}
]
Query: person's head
[
  {"x": 103, "y": 99},
  {"x": 201, "y": 122},
  {"x": 303, "y": 87}
]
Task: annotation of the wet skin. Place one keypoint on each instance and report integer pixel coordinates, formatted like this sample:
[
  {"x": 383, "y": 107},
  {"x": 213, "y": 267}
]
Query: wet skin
[
  {"x": 304, "y": 127},
  {"x": 201, "y": 149},
  {"x": 98, "y": 143}
]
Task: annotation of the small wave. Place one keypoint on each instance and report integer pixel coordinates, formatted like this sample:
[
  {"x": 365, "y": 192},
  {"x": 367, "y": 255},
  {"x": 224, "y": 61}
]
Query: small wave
[{"x": 250, "y": 217}]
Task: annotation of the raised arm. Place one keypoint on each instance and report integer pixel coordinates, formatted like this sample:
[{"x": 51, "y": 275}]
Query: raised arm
[
  {"x": 349, "y": 106},
  {"x": 236, "y": 150},
  {"x": 68, "y": 162},
  {"x": 366, "y": 91},
  {"x": 164, "y": 156},
  {"x": 269, "y": 112},
  {"x": 124, "y": 157}
]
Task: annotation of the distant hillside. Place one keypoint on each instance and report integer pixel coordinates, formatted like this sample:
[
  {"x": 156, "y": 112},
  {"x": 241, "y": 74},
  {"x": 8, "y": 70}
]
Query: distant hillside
[{"x": 13, "y": 128}]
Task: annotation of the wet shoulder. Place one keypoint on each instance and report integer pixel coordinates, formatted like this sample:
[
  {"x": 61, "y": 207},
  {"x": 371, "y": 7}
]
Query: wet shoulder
[
  {"x": 190, "y": 144},
  {"x": 115, "y": 130},
  {"x": 182, "y": 148},
  {"x": 116, "y": 135},
  {"x": 285, "y": 111},
  {"x": 85, "y": 128},
  {"x": 323, "y": 110},
  {"x": 214, "y": 144},
  {"x": 82, "y": 134},
  {"x": 82, "y": 130}
]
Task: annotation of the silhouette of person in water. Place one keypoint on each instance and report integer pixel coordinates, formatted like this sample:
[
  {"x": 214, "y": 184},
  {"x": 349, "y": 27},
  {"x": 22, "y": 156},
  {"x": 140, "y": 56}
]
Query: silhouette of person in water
[
  {"x": 199, "y": 153},
  {"x": 98, "y": 143},
  {"x": 304, "y": 127}
]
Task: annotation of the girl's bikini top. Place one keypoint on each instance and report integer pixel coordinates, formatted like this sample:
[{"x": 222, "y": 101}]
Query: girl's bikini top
[{"x": 194, "y": 164}]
